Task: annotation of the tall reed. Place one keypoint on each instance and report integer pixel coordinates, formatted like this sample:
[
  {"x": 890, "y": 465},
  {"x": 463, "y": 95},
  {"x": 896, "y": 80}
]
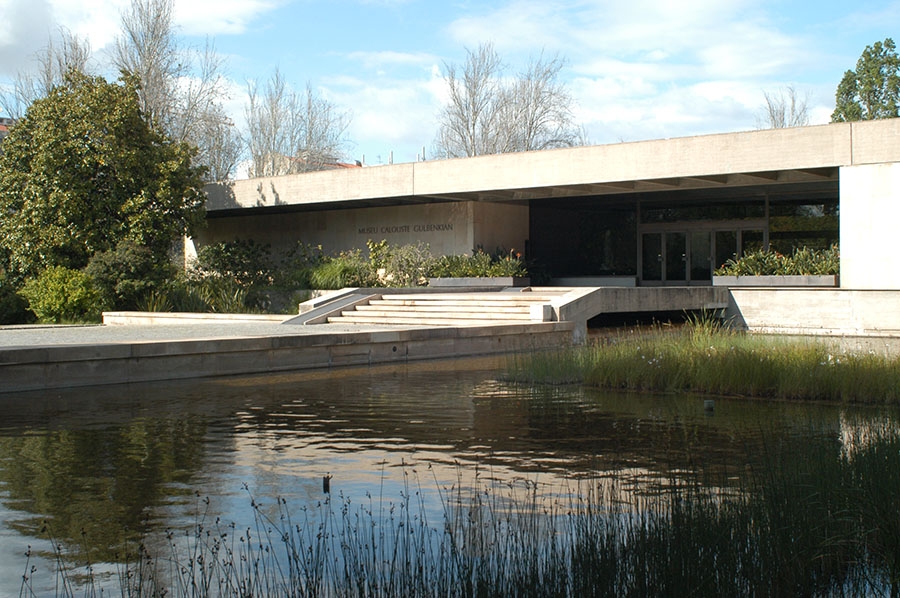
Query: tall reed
[
  {"x": 819, "y": 518},
  {"x": 705, "y": 359}
]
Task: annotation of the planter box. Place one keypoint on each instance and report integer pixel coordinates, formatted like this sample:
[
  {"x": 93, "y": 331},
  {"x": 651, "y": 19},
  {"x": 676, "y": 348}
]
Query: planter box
[
  {"x": 499, "y": 281},
  {"x": 828, "y": 281}
]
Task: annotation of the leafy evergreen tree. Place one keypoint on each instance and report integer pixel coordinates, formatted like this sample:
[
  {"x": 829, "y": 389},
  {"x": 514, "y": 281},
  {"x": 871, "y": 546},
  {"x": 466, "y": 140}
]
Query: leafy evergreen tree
[
  {"x": 872, "y": 91},
  {"x": 84, "y": 171}
]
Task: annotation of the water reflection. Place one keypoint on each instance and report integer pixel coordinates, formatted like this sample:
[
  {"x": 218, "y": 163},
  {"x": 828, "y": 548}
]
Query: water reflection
[{"x": 111, "y": 464}]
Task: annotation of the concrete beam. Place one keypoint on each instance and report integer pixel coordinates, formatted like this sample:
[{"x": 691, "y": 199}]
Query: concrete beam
[{"x": 745, "y": 158}]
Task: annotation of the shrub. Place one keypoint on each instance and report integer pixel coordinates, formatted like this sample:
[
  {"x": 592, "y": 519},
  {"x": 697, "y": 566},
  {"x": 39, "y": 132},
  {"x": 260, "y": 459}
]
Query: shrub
[
  {"x": 248, "y": 263},
  {"x": 296, "y": 266},
  {"x": 803, "y": 261},
  {"x": 401, "y": 266},
  {"x": 13, "y": 307},
  {"x": 60, "y": 294},
  {"x": 348, "y": 269},
  {"x": 480, "y": 265},
  {"x": 124, "y": 275}
]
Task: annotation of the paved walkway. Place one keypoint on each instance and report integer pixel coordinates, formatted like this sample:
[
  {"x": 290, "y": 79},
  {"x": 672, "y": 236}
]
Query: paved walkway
[{"x": 42, "y": 336}]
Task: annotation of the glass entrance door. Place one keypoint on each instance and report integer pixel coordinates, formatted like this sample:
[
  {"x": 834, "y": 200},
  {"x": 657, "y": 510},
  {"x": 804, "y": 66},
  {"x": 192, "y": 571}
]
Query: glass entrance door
[
  {"x": 689, "y": 257},
  {"x": 676, "y": 257},
  {"x": 701, "y": 257},
  {"x": 651, "y": 257}
]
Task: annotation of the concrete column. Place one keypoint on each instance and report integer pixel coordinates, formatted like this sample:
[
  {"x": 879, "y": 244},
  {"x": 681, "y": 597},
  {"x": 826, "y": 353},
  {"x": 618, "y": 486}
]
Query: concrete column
[{"x": 870, "y": 225}]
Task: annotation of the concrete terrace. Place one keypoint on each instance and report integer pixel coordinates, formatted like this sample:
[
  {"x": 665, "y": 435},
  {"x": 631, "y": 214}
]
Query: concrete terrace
[{"x": 142, "y": 347}]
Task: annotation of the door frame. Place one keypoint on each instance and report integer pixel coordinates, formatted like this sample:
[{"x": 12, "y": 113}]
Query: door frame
[{"x": 704, "y": 226}]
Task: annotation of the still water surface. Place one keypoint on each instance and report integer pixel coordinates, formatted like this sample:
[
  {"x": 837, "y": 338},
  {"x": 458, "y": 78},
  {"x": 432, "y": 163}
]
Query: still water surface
[{"x": 103, "y": 465}]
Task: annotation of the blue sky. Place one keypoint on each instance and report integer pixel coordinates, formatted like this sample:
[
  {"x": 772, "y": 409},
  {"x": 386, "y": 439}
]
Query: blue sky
[{"x": 641, "y": 69}]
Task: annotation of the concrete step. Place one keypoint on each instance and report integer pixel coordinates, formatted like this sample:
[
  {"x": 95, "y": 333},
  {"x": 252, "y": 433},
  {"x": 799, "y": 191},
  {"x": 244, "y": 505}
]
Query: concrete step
[
  {"x": 358, "y": 318},
  {"x": 441, "y": 308},
  {"x": 379, "y": 312},
  {"x": 446, "y": 309},
  {"x": 475, "y": 297},
  {"x": 447, "y": 304}
]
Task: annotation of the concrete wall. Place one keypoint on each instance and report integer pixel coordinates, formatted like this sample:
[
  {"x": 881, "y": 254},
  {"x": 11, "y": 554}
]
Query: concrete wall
[
  {"x": 832, "y": 312},
  {"x": 870, "y": 216},
  {"x": 499, "y": 226},
  {"x": 448, "y": 228}
]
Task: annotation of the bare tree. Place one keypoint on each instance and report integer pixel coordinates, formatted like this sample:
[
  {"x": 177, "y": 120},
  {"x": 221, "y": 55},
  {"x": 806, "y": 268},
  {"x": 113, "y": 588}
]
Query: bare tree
[
  {"x": 468, "y": 121},
  {"x": 487, "y": 113},
  {"x": 181, "y": 89},
  {"x": 542, "y": 107},
  {"x": 147, "y": 49},
  {"x": 222, "y": 148},
  {"x": 290, "y": 132},
  {"x": 784, "y": 108},
  {"x": 67, "y": 53}
]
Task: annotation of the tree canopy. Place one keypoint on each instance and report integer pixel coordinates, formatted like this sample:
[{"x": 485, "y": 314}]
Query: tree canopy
[
  {"x": 872, "y": 91},
  {"x": 83, "y": 171}
]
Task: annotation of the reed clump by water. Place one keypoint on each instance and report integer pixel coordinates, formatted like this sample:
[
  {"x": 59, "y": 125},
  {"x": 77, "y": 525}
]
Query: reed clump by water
[
  {"x": 819, "y": 518},
  {"x": 704, "y": 357}
]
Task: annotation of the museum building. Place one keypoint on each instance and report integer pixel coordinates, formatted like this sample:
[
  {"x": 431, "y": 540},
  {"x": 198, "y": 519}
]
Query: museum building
[{"x": 650, "y": 213}]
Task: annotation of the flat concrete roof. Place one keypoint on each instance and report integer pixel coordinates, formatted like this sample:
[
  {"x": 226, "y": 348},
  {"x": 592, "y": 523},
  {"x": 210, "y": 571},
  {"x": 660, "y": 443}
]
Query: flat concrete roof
[{"x": 772, "y": 156}]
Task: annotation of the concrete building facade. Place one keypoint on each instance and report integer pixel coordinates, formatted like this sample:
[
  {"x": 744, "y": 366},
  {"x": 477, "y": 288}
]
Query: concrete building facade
[{"x": 653, "y": 213}]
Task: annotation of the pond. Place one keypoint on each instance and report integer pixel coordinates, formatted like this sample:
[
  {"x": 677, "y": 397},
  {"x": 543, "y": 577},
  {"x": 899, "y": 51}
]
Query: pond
[{"x": 99, "y": 469}]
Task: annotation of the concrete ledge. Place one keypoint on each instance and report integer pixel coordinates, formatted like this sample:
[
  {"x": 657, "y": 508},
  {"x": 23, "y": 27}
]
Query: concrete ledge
[
  {"x": 60, "y": 366},
  {"x": 776, "y": 281},
  {"x": 595, "y": 281},
  {"x": 831, "y": 312},
  {"x": 147, "y": 318},
  {"x": 468, "y": 282}
]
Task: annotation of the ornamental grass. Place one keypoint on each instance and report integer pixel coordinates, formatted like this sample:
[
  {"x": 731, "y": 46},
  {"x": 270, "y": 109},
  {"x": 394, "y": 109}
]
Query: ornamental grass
[
  {"x": 705, "y": 358},
  {"x": 817, "y": 518}
]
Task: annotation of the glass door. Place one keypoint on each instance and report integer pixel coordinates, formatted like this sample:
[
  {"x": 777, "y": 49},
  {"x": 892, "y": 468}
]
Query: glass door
[
  {"x": 726, "y": 246},
  {"x": 651, "y": 257},
  {"x": 676, "y": 258},
  {"x": 701, "y": 257}
]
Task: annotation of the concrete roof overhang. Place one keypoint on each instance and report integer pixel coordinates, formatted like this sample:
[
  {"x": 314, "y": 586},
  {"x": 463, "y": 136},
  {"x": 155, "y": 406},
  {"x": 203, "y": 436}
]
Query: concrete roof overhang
[{"x": 799, "y": 156}]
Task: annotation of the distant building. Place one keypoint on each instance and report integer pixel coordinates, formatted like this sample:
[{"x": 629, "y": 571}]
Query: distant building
[{"x": 5, "y": 125}]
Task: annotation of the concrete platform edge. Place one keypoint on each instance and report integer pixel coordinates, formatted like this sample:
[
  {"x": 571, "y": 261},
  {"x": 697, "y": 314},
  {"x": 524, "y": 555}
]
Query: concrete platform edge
[{"x": 62, "y": 366}]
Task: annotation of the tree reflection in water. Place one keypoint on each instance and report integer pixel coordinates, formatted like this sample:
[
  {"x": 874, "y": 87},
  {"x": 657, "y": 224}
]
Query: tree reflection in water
[{"x": 113, "y": 465}]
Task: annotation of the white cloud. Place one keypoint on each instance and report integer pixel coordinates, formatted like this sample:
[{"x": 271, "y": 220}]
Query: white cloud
[
  {"x": 27, "y": 25},
  {"x": 24, "y": 25},
  {"x": 651, "y": 68},
  {"x": 96, "y": 20},
  {"x": 378, "y": 60},
  {"x": 389, "y": 114},
  {"x": 213, "y": 17}
]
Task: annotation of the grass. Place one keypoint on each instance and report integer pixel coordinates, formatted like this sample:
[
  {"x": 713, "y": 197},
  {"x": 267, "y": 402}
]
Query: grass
[
  {"x": 703, "y": 358},
  {"x": 818, "y": 519}
]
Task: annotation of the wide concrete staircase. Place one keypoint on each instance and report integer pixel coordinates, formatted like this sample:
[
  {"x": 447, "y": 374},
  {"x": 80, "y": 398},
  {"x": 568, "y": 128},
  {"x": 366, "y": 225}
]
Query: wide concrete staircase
[{"x": 450, "y": 309}]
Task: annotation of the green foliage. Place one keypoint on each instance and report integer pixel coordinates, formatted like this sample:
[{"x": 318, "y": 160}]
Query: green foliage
[
  {"x": 348, "y": 269},
  {"x": 296, "y": 266},
  {"x": 702, "y": 358},
  {"x": 60, "y": 294},
  {"x": 480, "y": 265},
  {"x": 83, "y": 171},
  {"x": 247, "y": 263},
  {"x": 126, "y": 274},
  {"x": 13, "y": 307},
  {"x": 872, "y": 91},
  {"x": 401, "y": 266},
  {"x": 803, "y": 261}
]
